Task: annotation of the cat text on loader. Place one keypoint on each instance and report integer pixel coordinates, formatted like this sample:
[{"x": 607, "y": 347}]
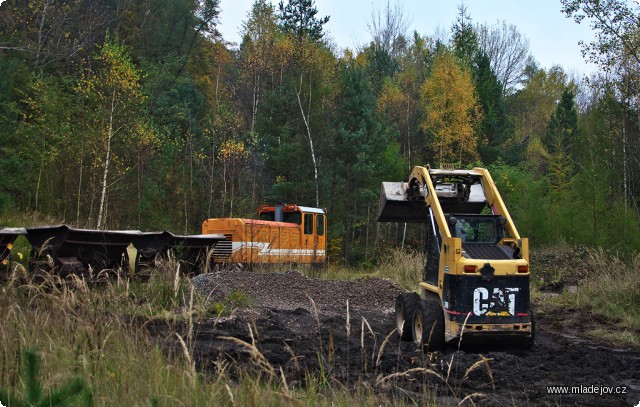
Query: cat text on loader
[{"x": 476, "y": 277}]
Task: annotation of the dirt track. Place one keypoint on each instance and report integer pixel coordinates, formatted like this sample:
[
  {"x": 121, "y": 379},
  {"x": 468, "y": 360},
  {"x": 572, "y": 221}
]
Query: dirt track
[{"x": 293, "y": 334}]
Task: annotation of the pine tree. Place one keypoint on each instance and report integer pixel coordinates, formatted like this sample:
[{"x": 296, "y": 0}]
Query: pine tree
[
  {"x": 494, "y": 127},
  {"x": 299, "y": 18},
  {"x": 75, "y": 392},
  {"x": 465, "y": 39},
  {"x": 363, "y": 145},
  {"x": 563, "y": 125},
  {"x": 561, "y": 132},
  {"x": 380, "y": 65}
]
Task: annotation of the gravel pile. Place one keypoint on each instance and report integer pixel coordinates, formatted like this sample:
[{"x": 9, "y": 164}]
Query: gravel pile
[{"x": 291, "y": 290}]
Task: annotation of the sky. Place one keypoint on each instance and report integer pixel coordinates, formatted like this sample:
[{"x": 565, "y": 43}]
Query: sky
[{"x": 553, "y": 38}]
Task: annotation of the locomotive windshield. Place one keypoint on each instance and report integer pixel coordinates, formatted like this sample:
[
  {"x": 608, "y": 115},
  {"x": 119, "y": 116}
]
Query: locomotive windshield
[{"x": 289, "y": 217}]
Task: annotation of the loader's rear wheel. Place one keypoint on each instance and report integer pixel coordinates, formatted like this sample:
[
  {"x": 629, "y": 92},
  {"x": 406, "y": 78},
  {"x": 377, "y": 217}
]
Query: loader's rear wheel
[
  {"x": 406, "y": 304},
  {"x": 532, "y": 339},
  {"x": 428, "y": 326}
]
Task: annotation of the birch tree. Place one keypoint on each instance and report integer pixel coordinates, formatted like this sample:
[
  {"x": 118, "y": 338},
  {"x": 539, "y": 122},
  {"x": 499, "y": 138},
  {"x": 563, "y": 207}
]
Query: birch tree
[
  {"x": 508, "y": 51},
  {"x": 112, "y": 92}
]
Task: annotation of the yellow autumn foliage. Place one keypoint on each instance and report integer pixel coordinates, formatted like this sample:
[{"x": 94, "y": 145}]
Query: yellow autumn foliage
[
  {"x": 392, "y": 100},
  {"x": 231, "y": 150},
  {"x": 450, "y": 109}
]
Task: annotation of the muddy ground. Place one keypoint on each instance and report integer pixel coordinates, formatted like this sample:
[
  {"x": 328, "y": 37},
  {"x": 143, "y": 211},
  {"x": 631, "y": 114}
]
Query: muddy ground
[{"x": 355, "y": 348}]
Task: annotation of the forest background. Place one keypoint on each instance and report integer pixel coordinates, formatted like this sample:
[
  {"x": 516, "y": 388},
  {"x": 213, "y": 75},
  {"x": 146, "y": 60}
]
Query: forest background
[{"x": 123, "y": 114}]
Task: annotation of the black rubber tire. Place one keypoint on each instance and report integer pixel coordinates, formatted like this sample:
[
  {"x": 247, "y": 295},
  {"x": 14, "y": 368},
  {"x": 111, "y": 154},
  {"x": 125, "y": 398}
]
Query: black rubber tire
[
  {"x": 531, "y": 341},
  {"x": 406, "y": 304},
  {"x": 428, "y": 326}
]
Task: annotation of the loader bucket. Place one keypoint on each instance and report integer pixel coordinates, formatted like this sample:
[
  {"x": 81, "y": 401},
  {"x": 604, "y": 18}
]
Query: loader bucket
[{"x": 395, "y": 206}]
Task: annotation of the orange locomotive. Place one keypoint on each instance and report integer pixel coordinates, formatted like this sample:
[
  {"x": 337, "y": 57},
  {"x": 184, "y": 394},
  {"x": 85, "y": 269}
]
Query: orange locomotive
[{"x": 282, "y": 234}]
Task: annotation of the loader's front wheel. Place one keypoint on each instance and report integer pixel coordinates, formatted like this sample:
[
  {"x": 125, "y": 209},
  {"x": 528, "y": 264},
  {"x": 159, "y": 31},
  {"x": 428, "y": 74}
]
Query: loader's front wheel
[
  {"x": 428, "y": 326},
  {"x": 406, "y": 304}
]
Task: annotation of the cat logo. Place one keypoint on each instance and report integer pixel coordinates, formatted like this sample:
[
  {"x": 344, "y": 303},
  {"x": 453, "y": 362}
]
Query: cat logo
[{"x": 502, "y": 302}]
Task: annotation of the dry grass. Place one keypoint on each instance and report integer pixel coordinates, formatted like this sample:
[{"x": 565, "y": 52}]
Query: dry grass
[
  {"x": 79, "y": 332},
  {"x": 97, "y": 333},
  {"x": 611, "y": 289},
  {"x": 402, "y": 266},
  {"x": 27, "y": 219},
  {"x": 603, "y": 286}
]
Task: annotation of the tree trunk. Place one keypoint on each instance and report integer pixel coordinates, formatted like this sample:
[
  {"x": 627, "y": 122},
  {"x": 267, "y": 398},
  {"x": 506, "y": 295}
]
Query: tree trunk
[
  {"x": 105, "y": 174},
  {"x": 624, "y": 159},
  {"x": 256, "y": 101},
  {"x": 38, "y": 183},
  {"x": 310, "y": 139},
  {"x": 139, "y": 182},
  {"x": 213, "y": 166},
  {"x": 81, "y": 171},
  {"x": 40, "y": 33}
]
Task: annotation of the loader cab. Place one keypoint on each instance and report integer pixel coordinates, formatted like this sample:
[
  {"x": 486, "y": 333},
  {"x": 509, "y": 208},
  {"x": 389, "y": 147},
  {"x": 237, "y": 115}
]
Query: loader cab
[{"x": 477, "y": 229}]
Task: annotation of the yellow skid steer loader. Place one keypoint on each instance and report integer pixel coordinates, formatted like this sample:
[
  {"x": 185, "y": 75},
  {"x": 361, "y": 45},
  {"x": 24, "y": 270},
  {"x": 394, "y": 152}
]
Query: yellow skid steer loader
[{"x": 476, "y": 277}]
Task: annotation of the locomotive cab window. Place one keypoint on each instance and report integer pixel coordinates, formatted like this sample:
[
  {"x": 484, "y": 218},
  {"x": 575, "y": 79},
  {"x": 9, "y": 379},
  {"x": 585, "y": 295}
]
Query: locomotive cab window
[
  {"x": 308, "y": 224},
  {"x": 293, "y": 217},
  {"x": 320, "y": 225},
  {"x": 267, "y": 216}
]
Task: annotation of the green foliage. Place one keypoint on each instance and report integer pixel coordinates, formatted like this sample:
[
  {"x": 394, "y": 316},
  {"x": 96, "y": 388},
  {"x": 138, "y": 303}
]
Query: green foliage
[
  {"x": 494, "y": 128},
  {"x": 615, "y": 25},
  {"x": 15, "y": 158},
  {"x": 561, "y": 134},
  {"x": 75, "y": 390},
  {"x": 312, "y": 124},
  {"x": 112, "y": 95},
  {"x": 531, "y": 107},
  {"x": 299, "y": 18},
  {"x": 563, "y": 126},
  {"x": 379, "y": 66},
  {"x": 363, "y": 145},
  {"x": 237, "y": 299},
  {"x": 585, "y": 215},
  {"x": 465, "y": 39}
]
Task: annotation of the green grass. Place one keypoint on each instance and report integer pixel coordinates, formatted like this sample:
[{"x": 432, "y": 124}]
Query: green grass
[{"x": 603, "y": 288}]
